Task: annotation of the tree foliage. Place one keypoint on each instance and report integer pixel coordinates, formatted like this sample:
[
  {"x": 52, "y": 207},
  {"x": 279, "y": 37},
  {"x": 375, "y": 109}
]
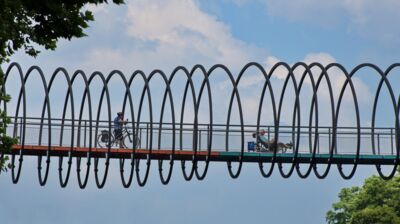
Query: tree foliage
[
  {"x": 26, "y": 23},
  {"x": 377, "y": 201},
  {"x": 29, "y": 24}
]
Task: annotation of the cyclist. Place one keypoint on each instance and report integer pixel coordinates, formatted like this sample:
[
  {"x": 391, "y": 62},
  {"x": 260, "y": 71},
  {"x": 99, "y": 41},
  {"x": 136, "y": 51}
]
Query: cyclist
[
  {"x": 264, "y": 140},
  {"x": 118, "y": 126},
  {"x": 269, "y": 144}
]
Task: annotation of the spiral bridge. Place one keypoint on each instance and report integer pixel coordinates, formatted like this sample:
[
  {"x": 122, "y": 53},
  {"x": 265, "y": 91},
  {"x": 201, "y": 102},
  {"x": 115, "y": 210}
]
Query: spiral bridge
[{"x": 314, "y": 116}]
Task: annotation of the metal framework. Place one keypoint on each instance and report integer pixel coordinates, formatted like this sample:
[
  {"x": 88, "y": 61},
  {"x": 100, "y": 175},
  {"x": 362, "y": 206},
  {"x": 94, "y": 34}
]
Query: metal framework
[{"x": 76, "y": 124}]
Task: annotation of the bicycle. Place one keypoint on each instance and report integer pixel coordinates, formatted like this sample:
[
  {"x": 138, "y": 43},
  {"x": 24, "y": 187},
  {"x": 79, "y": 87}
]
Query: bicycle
[
  {"x": 262, "y": 146},
  {"x": 269, "y": 146},
  {"x": 106, "y": 139}
]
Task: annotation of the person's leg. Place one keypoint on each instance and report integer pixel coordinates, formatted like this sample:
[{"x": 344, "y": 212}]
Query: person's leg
[
  {"x": 118, "y": 137},
  {"x": 121, "y": 143}
]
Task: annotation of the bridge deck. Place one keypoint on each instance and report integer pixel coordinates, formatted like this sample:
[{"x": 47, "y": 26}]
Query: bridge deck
[{"x": 202, "y": 155}]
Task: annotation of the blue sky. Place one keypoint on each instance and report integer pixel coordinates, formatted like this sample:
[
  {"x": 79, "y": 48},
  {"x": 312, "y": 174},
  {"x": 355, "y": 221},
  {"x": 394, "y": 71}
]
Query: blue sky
[{"x": 164, "y": 34}]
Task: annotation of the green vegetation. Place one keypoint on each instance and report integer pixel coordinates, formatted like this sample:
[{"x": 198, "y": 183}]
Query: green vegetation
[
  {"x": 377, "y": 201},
  {"x": 30, "y": 24}
]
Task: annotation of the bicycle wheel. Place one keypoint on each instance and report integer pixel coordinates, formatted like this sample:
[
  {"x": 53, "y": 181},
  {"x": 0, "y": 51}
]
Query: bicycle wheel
[
  {"x": 127, "y": 138},
  {"x": 105, "y": 141}
]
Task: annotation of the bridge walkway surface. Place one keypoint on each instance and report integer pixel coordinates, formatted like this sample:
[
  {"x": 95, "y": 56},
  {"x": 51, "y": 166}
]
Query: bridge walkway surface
[{"x": 165, "y": 154}]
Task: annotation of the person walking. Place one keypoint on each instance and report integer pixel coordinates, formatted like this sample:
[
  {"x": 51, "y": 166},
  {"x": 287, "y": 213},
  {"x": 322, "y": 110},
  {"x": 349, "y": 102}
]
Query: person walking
[{"x": 118, "y": 126}]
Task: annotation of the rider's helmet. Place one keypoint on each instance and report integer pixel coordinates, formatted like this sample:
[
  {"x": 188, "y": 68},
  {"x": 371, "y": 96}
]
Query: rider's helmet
[{"x": 119, "y": 113}]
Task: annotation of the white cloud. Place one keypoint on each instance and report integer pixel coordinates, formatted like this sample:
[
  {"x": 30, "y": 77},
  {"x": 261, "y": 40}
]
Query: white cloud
[
  {"x": 176, "y": 31},
  {"x": 337, "y": 77},
  {"x": 97, "y": 8},
  {"x": 164, "y": 34},
  {"x": 251, "y": 84}
]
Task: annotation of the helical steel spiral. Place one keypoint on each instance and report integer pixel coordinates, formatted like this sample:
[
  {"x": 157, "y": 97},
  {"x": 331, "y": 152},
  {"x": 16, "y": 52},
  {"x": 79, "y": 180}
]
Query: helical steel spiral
[{"x": 204, "y": 94}]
